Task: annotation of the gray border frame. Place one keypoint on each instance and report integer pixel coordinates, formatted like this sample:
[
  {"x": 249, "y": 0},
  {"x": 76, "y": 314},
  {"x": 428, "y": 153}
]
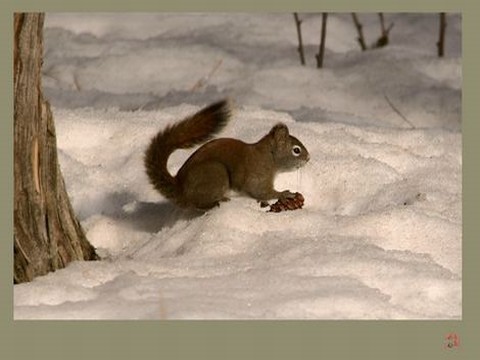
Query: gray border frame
[{"x": 245, "y": 339}]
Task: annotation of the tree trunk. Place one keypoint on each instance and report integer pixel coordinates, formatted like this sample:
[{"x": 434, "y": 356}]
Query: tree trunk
[{"x": 47, "y": 235}]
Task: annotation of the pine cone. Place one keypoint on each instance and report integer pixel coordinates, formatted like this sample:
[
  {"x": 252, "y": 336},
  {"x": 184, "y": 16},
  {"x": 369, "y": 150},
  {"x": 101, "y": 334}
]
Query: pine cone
[{"x": 288, "y": 203}]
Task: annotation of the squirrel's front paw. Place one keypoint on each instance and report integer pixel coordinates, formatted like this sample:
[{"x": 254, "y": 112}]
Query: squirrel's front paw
[{"x": 287, "y": 194}]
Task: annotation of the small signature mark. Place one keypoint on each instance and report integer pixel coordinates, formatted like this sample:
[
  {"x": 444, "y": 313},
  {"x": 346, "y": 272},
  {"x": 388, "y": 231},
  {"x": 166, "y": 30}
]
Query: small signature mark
[{"x": 451, "y": 341}]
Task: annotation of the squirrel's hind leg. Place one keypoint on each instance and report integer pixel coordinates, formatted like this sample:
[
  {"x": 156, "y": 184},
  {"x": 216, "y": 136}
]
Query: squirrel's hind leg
[{"x": 205, "y": 185}]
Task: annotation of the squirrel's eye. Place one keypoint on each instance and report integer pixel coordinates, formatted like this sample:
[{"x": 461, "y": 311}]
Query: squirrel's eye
[{"x": 296, "y": 150}]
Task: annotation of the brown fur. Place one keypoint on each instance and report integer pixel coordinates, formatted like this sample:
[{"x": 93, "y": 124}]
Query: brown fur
[{"x": 221, "y": 164}]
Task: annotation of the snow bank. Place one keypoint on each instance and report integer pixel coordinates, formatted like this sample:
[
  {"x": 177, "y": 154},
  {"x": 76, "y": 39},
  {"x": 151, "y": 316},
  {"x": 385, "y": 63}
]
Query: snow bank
[{"x": 378, "y": 236}]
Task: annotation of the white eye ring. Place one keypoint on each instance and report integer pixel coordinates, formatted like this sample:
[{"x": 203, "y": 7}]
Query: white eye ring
[{"x": 296, "y": 150}]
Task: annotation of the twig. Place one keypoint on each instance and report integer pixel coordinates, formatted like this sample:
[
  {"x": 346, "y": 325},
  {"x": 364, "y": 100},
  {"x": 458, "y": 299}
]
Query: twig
[
  {"x": 298, "y": 24},
  {"x": 201, "y": 82},
  {"x": 383, "y": 39},
  {"x": 382, "y": 22},
  {"x": 398, "y": 112},
  {"x": 359, "y": 26},
  {"x": 76, "y": 82},
  {"x": 321, "y": 50},
  {"x": 441, "y": 40}
]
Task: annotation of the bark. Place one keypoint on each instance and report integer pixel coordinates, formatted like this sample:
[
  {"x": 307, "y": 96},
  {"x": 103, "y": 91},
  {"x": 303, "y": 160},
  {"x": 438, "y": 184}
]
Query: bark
[{"x": 47, "y": 236}]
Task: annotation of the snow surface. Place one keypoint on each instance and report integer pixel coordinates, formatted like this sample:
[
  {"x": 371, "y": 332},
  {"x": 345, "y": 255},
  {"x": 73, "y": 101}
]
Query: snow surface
[{"x": 380, "y": 234}]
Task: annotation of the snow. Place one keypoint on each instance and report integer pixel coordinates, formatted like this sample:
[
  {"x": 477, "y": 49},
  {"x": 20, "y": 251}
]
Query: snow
[{"x": 380, "y": 234}]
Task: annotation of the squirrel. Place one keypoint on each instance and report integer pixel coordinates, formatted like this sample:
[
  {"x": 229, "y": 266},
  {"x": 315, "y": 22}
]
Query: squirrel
[{"x": 221, "y": 164}]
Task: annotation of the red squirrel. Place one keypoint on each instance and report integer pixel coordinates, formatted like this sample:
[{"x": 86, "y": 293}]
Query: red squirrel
[{"x": 221, "y": 164}]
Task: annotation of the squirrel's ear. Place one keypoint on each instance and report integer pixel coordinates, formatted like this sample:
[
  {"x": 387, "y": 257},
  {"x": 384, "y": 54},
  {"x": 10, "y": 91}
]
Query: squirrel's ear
[{"x": 280, "y": 133}]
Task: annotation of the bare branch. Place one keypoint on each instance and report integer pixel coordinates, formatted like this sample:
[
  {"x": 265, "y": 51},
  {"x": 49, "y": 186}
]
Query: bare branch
[
  {"x": 359, "y": 26},
  {"x": 398, "y": 112},
  {"x": 382, "y": 23},
  {"x": 321, "y": 50},
  {"x": 298, "y": 24},
  {"x": 383, "y": 40},
  {"x": 441, "y": 40},
  {"x": 204, "y": 80}
]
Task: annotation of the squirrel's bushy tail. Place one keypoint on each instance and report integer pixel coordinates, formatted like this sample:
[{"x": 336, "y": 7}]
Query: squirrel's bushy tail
[{"x": 193, "y": 130}]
